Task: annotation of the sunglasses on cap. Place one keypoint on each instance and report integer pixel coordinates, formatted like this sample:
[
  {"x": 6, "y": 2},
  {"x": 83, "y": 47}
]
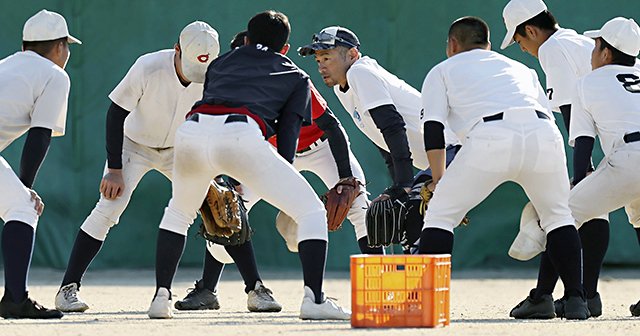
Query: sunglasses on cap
[{"x": 330, "y": 39}]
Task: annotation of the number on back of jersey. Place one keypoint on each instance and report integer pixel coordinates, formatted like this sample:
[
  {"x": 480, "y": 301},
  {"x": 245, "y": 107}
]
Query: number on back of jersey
[{"x": 630, "y": 82}]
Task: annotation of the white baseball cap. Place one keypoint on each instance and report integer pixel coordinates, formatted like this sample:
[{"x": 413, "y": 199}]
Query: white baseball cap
[
  {"x": 46, "y": 26},
  {"x": 199, "y": 45},
  {"x": 517, "y": 12},
  {"x": 622, "y": 34}
]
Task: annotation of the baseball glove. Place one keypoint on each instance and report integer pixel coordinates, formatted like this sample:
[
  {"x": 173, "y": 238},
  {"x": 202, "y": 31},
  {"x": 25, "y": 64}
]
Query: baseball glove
[
  {"x": 237, "y": 238},
  {"x": 338, "y": 204},
  {"x": 426, "y": 195},
  {"x": 385, "y": 219},
  {"x": 220, "y": 210}
]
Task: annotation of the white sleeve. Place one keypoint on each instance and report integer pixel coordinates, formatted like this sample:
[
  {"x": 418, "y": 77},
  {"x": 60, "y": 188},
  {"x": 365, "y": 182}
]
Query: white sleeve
[
  {"x": 561, "y": 77},
  {"x": 50, "y": 108},
  {"x": 435, "y": 103},
  {"x": 369, "y": 88},
  {"x": 129, "y": 91},
  {"x": 582, "y": 123}
]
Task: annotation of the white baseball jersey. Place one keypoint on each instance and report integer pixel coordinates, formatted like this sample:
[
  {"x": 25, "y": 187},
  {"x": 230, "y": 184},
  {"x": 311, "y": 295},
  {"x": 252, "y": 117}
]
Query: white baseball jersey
[
  {"x": 564, "y": 57},
  {"x": 459, "y": 92},
  {"x": 607, "y": 105},
  {"x": 370, "y": 86},
  {"x": 158, "y": 102},
  {"x": 33, "y": 93}
]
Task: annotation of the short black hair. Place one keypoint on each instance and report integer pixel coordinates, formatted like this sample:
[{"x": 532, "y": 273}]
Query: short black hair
[
  {"x": 269, "y": 28},
  {"x": 617, "y": 56},
  {"x": 238, "y": 40},
  {"x": 545, "y": 21},
  {"x": 43, "y": 48},
  {"x": 470, "y": 31}
]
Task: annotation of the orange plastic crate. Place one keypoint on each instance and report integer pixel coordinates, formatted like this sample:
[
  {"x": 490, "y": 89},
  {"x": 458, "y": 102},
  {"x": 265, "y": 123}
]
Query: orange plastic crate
[{"x": 400, "y": 290}]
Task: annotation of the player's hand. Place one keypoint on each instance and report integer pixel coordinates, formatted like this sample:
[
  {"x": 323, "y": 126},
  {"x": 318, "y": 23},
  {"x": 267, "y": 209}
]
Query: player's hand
[
  {"x": 39, "y": 205},
  {"x": 431, "y": 186},
  {"x": 112, "y": 184},
  {"x": 239, "y": 189},
  {"x": 340, "y": 186}
]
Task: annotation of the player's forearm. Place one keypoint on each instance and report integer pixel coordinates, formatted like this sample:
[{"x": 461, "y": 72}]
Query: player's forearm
[
  {"x": 115, "y": 135},
  {"x": 437, "y": 163},
  {"x": 565, "y": 110},
  {"x": 328, "y": 123},
  {"x": 434, "y": 145},
  {"x": 582, "y": 157},
  {"x": 287, "y": 135},
  {"x": 391, "y": 124},
  {"x": 33, "y": 154}
]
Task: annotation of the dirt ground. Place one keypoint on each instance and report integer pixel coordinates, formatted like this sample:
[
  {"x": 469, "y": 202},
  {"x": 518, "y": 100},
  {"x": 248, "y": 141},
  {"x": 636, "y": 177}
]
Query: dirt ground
[{"x": 481, "y": 301}]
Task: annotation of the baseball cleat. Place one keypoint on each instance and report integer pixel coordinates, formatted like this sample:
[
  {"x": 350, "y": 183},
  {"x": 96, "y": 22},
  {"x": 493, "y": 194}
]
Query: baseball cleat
[
  {"x": 27, "y": 309},
  {"x": 529, "y": 308},
  {"x": 575, "y": 308},
  {"x": 635, "y": 309},
  {"x": 67, "y": 299},
  {"x": 161, "y": 305},
  {"x": 261, "y": 299},
  {"x": 199, "y": 298},
  {"x": 594, "y": 304},
  {"x": 327, "y": 310}
]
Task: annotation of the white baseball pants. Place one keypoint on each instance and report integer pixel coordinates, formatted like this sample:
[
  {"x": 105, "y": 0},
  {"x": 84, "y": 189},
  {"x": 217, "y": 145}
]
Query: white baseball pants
[
  {"x": 210, "y": 147},
  {"x": 15, "y": 198},
  {"x": 521, "y": 148}
]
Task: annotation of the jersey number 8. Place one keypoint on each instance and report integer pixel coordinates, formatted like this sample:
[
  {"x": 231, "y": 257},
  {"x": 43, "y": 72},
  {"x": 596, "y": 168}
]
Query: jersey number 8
[{"x": 630, "y": 82}]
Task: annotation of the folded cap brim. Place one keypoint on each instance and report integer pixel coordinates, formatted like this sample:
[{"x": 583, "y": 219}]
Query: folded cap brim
[
  {"x": 592, "y": 33},
  {"x": 72, "y": 39},
  {"x": 310, "y": 49},
  {"x": 508, "y": 38}
]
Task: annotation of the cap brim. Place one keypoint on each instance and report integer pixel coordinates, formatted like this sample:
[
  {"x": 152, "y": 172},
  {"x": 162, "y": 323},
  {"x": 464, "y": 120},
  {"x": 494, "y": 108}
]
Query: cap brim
[
  {"x": 310, "y": 49},
  {"x": 508, "y": 38},
  {"x": 72, "y": 39},
  {"x": 592, "y": 33}
]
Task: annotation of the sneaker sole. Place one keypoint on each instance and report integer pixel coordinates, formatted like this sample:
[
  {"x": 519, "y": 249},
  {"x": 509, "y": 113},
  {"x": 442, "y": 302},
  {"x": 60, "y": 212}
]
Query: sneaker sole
[
  {"x": 209, "y": 307},
  {"x": 265, "y": 310},
  {"x": 537, "y": 316},
  {"x": 73, "y": 310},
  {"x": 576, "y": 316}
]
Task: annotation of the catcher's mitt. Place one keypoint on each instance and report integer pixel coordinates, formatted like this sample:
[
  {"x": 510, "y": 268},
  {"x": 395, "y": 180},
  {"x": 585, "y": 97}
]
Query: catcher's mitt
[
  {"x": 220, "y": 210},
  {"x": 237, "y": 238},
  {"x": 385, "y": 219},
  {"x": 338, "y": 204},
  {"x": 426, "y": 195}
]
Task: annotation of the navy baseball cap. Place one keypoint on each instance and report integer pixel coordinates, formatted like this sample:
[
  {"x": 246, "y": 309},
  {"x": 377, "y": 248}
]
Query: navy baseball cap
[{"x": 329, "y": 38}]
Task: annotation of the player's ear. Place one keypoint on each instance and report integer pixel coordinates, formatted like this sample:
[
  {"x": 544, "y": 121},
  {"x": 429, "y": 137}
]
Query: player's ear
[
  {"x": 176, "y": 47},
  {"x": 530, "y": 31},
  {"x": 353, "y": 53}
]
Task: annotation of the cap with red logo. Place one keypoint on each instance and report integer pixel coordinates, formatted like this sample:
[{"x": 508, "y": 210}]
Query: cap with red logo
[{"x": 199, "y": 46}]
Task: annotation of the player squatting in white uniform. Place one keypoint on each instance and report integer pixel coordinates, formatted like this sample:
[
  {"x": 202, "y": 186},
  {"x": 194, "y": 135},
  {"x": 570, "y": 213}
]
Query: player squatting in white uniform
[
  {"x": 607, "y": 104},
  {"x": 564, "y": 56},
  {"x": 34, "y": 90},
  {"x": 499, "y": 110},
  {"x": 154, "y": 99}
]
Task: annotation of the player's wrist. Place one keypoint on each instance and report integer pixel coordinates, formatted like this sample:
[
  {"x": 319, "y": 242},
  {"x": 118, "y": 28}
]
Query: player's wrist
[{"x": 115, "y": 171}]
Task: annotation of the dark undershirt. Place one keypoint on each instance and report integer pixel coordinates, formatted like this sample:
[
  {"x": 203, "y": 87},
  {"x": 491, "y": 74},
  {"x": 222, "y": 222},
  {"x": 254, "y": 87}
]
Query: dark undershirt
[
  {"x": 392, "y": 126},
  {"x": 33, "y": 154},
  {"x": 288, "y": 132},
  {"x": 582, "y": 157},
  {"x": 433, "y": 135},
  {"x": 328, "y": 123},
  {"x": 115, "y": 135}
]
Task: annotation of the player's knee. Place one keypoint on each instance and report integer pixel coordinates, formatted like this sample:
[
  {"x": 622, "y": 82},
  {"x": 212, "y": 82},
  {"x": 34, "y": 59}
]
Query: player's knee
[
  {"x": 312, "y": 225},
  {"x": 25, "y": 214},
  {"x": 97, "y": 225},
  {"x": 176, "y": 221}
]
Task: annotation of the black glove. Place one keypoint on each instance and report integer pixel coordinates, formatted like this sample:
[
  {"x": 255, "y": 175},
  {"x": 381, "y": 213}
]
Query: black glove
[{"x": 385, "y": 219}]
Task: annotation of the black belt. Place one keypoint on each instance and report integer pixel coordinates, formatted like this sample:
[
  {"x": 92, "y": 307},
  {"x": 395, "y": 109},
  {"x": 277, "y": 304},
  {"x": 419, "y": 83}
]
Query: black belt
[
  {"x": 500, "y": 116},
  {"x": 316, "y": 143},
  {"x": 230, "y": 118},
  {"x": 631, "y": 137}
]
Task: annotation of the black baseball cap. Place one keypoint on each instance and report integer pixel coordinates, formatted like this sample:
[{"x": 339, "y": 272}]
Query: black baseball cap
[{"x": 329, "y": 38}]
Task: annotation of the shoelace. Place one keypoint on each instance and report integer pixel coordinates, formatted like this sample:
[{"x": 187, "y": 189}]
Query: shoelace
[
  {"x": 70, "y": 294},
  {"x": 264, "y": 292}
]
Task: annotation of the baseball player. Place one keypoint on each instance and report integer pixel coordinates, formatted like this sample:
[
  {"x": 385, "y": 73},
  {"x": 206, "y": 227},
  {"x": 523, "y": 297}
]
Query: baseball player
[
  {"x": 147, "y": 107},
  {"x": 498, "y": 106},
  {"x": 250, "y": 94},
  {"x": 564, "y": 56},
  {"x": 383, "y": 107},
  {"x": 606, "y": 104},
  {"x": 322, "y": 149},
  {"x": 34, "y": 89}
]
